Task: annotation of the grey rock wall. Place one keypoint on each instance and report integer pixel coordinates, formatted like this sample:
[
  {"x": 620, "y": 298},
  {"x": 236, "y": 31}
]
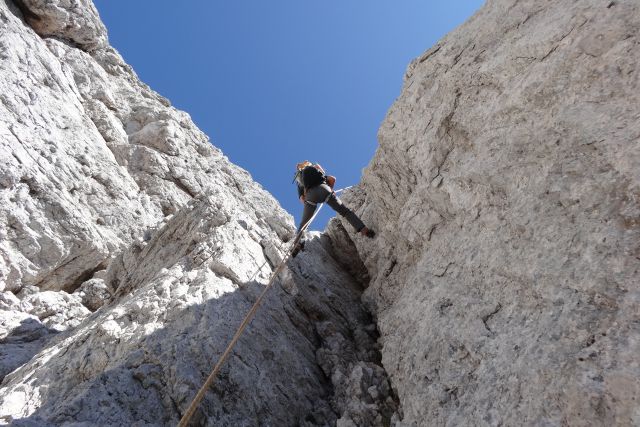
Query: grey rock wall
[
  {"x": 131, "y": 249},
  {"x": 91, "y": 156},
  {"x": 503, "y": 280},
  {"x": 308, "y": 358},
  {"x": 506, "y": 195}
]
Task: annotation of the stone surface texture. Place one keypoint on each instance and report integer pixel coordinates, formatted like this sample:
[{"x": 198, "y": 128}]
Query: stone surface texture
[
  {"x": 506, "y": 194},
  {"x": 131, "y": 248},
  {"x": 503, "y": 283}
]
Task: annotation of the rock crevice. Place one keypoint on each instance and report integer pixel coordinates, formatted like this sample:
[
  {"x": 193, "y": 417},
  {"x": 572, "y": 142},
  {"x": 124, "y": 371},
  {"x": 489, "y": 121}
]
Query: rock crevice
[
  {"x": 501, "y": 287},
  {"x": 128, "y": 245}
]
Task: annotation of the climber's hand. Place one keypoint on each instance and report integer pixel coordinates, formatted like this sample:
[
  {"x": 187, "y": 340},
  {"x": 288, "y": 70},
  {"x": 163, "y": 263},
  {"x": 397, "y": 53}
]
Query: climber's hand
[{"x": 302, "y": 199}]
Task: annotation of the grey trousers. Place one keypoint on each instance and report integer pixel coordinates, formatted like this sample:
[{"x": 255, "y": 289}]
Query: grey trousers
[{"x": 319, "y": 194}]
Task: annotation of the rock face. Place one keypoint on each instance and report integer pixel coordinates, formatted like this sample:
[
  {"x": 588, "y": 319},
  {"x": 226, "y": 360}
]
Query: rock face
[
  {"x": 309, "y": 358},
  {"x": 91, "y": 156},
  {"x": 115, "y": 203},
  {"x": 505, "y": 278}
]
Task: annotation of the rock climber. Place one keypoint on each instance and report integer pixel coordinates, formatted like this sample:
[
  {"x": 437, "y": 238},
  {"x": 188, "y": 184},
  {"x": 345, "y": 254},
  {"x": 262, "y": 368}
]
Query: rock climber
[{"x": 314, "y": 187}]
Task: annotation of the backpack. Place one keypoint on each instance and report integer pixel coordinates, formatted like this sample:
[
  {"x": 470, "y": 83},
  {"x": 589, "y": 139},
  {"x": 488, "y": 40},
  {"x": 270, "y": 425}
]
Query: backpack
[{"x": 311, "y": 177}]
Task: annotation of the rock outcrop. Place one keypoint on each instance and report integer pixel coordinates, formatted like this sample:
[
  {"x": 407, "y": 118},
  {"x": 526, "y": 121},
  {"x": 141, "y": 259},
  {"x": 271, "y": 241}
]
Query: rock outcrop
[
  {"x": 504, "y": 282},
  {"x": 132, "y": 248},
  {"x": 505, "y": 278}
]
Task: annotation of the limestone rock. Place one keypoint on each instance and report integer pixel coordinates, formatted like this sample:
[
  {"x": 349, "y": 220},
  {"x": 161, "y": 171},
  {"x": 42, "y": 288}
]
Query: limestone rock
[
  {"x": 178, "y": 299},
  {"x": 504, "y": 278},
  {"x": 21, "y": 334},
  {"x": 131, "y": 248},
  {"x": 93, "y": 293},
  {"x": 74, "y": 21},
  {"x": 92, "y": 158},
  {"x": 506, "y": 195},
  {"x": 29, "y": 320}
]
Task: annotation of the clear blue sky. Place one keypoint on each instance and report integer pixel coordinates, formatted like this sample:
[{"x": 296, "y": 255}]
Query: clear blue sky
[{"x": 276, "y": 82}]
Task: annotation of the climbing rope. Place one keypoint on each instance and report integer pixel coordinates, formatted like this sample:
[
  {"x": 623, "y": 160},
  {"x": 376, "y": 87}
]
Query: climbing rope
[{"x": 184, "y": 421}]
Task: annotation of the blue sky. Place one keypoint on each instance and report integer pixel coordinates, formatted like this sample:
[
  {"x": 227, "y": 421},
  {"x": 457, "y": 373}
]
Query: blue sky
[{"x": 276, "y": 82}]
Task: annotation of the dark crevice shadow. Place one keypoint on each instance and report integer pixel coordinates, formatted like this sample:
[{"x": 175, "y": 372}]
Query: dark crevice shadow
[
  {"x": 21, "y": 11},
  {"x": 22, "y": 344}
]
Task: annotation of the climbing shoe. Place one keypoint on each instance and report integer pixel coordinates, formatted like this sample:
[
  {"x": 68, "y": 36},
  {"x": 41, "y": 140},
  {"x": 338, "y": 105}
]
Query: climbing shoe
[{"x": 368, "y": 233}]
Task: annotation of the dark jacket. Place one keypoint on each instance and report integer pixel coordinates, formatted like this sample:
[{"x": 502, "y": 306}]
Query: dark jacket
[{"x": 300, "y": 184}]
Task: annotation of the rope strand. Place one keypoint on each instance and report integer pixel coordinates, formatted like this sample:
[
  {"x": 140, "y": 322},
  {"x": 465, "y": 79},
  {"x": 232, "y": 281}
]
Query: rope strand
[{"x": 184, "y": 421}]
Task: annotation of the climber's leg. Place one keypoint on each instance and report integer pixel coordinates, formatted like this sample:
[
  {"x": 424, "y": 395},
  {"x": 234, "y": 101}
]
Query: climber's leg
[
  {"x": 337, "y": 205},
  {"x": 313, "y": 196},
  {"x": 307, "y": 213}
]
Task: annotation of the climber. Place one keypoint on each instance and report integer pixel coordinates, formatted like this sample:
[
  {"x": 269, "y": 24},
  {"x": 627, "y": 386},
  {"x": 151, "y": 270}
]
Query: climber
[{"x": 315, "y": 187}]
